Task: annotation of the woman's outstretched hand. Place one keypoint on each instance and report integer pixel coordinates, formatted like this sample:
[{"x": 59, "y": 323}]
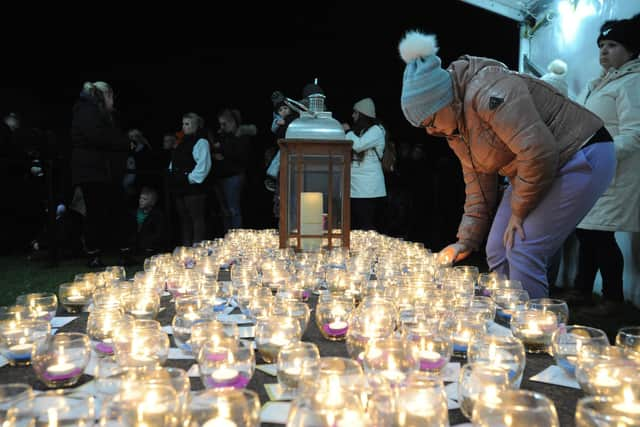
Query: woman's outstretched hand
[{"x": 453, "y": 253}]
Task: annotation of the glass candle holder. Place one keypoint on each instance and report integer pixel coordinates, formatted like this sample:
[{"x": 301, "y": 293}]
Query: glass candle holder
[
  {"x": 483, "y": 306},
  {"x": 628, "y": 338},
  {"x": 101, "y": 325},
  {"x": 534, "y": 327},
  {"x": 13, "y": 312},
  {"x": 601, "y": 370},
  {"x": 153, "y": 405},
  {"x": 489, "y": 281},
  {"x": 467, "y": 326},
  {"x": 60, "y": 359},
  {"x": 18, "y": 339},
  {"x": 225, "y": 408},
  {"x": 390, "y": 358},
  {"x": 557, "y": 306},
  {"x": 107, "y": 298},
  {"x": 11, "y": 394},
  {"x": 515, "y": 408},
  {"x": 141, "y": 304},
  {"x": 369, "y": 322},
  {"x": 508, "y": 301},
  {"x": 432, "y": 350},
  {"x": 422, "y": 401},
  {"x": 504, "y": 352},
  {"x": 566, "y": 344},
  {"x": 226, "y": 363},
  {"x": 74, "y": 297},
  {"x": 273, "y": 333},
  {"x": 41, "y": 305},
  {"x": 480, "y": 381},
  {"x": 181, "y": 326},
  {"x": 139, "y": 346},
  {"x": 295, "y": 309},
  {"x": 295, "y": 362},
  {"x": 607, "y": 411},
  {"x": 58, "y": 408}
]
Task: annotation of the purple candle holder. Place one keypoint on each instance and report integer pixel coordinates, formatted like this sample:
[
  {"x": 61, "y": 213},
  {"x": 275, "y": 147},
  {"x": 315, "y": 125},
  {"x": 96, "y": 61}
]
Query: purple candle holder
[
  {"x": 239, "y": 381},
  {"x": 48, "y": 376},
  {"x": 432, "y": 364},
  {"x": 335, "y": 332},
  {"x": 104, "y": 348}
]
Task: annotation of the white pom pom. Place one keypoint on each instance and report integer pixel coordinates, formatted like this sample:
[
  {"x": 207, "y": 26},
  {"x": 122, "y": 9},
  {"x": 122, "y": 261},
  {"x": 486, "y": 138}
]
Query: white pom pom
[
  {"x": 417, "y": 45},
  {"x": 557, "y": 66}
]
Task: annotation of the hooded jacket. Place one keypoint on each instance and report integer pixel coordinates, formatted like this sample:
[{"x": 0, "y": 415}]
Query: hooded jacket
[
  {"x": 615, "y": 97},
  {"x": 514, "y": 125}
]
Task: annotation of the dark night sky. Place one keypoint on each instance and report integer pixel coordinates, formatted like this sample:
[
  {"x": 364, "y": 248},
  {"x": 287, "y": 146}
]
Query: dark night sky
[{"x": 163, "y": 63}]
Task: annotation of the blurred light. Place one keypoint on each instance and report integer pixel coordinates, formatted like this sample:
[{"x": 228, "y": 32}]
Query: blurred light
[{"x": 572, "y": 12}]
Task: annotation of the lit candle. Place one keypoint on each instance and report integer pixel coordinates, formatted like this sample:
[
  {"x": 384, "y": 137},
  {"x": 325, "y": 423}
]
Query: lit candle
[
  {"x": 336, "y": 328},
  {"x": 222, "y": 420},
  {"x": 62, "y": 369},
  {"x": 461, "y": 342},
  {"x": 629, "y": 405},
  {"x": 603, "y": 379},
  {"x": 20, "y": 352},
  {"x": 278, "y": 340},
  {"x": 227, "y": 377},
  {"x": 311, "y": 219},
  {"x": 430, "y": 360}
]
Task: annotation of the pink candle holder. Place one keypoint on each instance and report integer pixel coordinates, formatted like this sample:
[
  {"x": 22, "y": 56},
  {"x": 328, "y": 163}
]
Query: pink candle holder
[{"x": 60, "y": 360}]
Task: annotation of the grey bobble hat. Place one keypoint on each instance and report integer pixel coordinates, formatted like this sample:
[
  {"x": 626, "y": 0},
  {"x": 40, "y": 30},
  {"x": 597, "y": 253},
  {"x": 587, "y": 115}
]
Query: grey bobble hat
[{"x": 426, "y": 86}]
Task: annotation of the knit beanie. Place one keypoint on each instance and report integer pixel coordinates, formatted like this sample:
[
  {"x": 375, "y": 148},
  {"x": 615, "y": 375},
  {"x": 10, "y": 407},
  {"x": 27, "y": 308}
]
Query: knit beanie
[
  {"x": 557, "y": 76},
  {"x": 426, "y": 86},
  {"x": 624, "y": 31},
  {"x": 365, "y": 106}
]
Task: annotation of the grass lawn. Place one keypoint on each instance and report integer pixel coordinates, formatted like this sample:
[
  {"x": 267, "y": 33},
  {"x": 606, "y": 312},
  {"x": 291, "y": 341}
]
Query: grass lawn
[{"x": 19, "y": 275}]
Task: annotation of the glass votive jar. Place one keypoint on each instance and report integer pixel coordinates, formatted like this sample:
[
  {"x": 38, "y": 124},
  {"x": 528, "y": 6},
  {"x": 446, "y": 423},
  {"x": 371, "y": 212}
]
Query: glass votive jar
[
  {"x": 58, "y": 408},
  {"x": 60, "y": 359},
  {"x": 628, "y": 338},
  {"x": 534, "y": 328},
  {"x": 208, "y": 330},
  {"x": 391, "y": 359},
  {"x": 607, "y": 411},
  {"x": 225, "y": 407},
  {"x": 41, "y": 305},
  {"x": 557, "y": 306},
  {"x": 73, "y": 297},
  {"x": 141, "y": 347},
  {"x": 480, "y": 381},
  {"x": 18, "y": 339},
  {"x": 483, "y": 306},
  {"x": 602, "y": 370},
  {"x": 149, "y": 405},
  {"x": 489, "y": 281},
  {"x": 331, "y": 318},
  {"x": 504, "y": 352},
  {"x": 226, "y": 363},
  {"x": 295, "y": 309},
  {"x": 141, "y": 304},
  {"x": 508, "y": 301},
  {"x": 273, "y": 333},
  {"x": 13, "y": 312},
  {"x": 431, "y": 349},
  {"x": 295, "y": 362},
  {"x": 423, "y": 401},
  {"x": 467, "y": 326},
  {"x": 101, "y": 325},
  {"x": 515, "y": 408},
  {"x": 107, "y": 297},
  {"x": 181, "y": 326},
  {"x": 566, "y": 344},
  {"x": 369, "y": 322},
  {"x": 11, "y": 394}
]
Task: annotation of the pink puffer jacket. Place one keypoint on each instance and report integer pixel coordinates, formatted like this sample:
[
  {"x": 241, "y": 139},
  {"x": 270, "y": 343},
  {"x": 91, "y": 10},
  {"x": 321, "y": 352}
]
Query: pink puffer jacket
[{"x": 514, "y": 125}]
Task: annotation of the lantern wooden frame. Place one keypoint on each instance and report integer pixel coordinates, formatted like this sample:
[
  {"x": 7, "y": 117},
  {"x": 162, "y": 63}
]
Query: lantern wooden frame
[{"x": 337, "y": 154}]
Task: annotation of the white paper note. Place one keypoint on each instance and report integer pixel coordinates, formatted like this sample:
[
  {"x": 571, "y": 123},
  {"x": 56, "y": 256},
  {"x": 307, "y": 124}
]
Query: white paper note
[
  {"x": 234, "y": 318},
  {"x": 178, "y": 353},
  {"x": 168, "y": 329},
  {"x": 247, "y": 331},
  {"x": 451, "y": 372},
  {"x": 276, "y": 392},
  {"x": 554, "y": 374},
  {"x": 3, "y": 361},
  {"x": 499, "y": 330},
  {"x": 453, "y": 401},
  {"x": 275, "y": 412},
  {"x": 194, "y": 370},
  {"x": 60, "y": 321},
  {"x": 268, "y": 368}
]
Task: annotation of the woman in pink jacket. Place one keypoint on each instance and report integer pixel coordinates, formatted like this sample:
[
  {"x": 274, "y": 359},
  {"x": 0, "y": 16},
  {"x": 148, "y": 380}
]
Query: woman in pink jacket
[{"x": 556, "y": 154}]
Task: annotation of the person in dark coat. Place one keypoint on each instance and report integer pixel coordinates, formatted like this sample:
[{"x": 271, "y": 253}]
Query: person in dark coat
[
  {"x": 151, "y": 224},
  {"x": 98, "y": 162}
]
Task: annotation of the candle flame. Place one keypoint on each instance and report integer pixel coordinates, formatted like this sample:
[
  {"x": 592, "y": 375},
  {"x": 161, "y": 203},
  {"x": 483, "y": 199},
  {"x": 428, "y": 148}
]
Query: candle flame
[{"x": 52, "y": 415}]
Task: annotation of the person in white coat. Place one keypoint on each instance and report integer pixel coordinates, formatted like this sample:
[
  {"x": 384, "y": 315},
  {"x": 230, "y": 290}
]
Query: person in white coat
[
  {"x": 368, "y": 190},
  {"x": 615, "y": 97}
]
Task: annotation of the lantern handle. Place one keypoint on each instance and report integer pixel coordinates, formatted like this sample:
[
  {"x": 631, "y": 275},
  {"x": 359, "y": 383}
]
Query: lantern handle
[{"x": 298, "y": 107}]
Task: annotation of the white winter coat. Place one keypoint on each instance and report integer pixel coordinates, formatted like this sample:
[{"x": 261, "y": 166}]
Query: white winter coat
[
  {"x": 615, "y": 97},
  {"x": 367, "y": 177}
]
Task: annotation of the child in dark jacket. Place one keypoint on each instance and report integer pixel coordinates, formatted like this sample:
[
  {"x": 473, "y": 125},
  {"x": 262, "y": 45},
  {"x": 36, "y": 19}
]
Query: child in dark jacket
[{"x": 150, "y": 220}]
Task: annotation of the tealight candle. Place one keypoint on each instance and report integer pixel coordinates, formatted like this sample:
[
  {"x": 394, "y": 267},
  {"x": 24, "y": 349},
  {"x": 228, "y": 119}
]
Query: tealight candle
[
  {"x": 431, "y": 360},
  {"x": 20, "y": 353},
  {"x": 336, "y": 328},
  {"x": 628, "y": 405}
]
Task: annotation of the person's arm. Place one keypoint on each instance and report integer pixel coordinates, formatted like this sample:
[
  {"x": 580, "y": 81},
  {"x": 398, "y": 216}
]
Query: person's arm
[
  {"x": 517, "y": 123},
  {"x": 627, "y": 142},
  {"x": 373, "y": 137},
  {"x": 202, "y": 156}
]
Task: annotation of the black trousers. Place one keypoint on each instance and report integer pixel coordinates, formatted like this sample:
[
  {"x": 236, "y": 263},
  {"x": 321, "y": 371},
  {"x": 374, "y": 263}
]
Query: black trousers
[
  {"x": 366, "y": 213},
  {"x": 107, "y": 222},
  {"x": 598, "y": 250}
]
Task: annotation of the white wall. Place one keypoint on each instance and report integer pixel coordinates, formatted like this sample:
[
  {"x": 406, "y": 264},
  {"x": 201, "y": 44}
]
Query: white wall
[{"x": 581, "y": 55}]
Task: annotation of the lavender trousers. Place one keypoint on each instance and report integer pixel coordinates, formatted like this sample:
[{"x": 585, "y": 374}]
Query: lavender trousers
[{"x": 577, "y": 186}]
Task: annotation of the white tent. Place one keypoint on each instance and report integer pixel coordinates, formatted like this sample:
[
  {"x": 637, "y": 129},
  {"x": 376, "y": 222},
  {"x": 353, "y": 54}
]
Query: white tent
[{"x": 567, "y": 30}]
